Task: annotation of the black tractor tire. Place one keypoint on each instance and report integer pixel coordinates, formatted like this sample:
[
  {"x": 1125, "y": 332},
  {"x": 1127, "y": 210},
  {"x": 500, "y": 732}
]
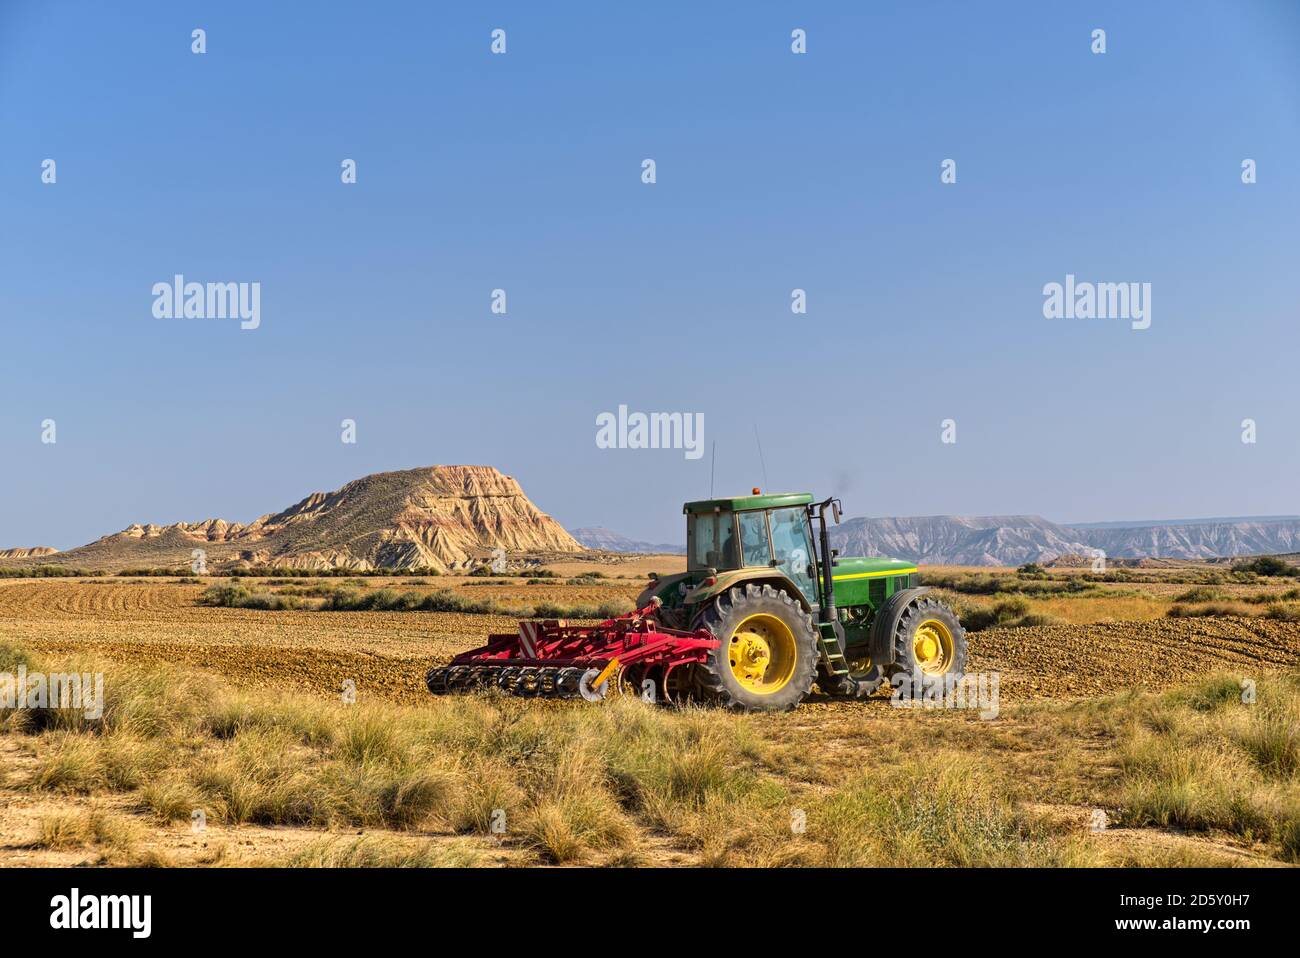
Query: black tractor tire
[
  {"x": 723, "y": 615},
  {"x": 854, "y": 685},
  {"x": 923, "y": 610}
]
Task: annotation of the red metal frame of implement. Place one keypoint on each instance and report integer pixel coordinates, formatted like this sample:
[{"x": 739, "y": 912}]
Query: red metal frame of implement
[{"x": 554, "y": 658}]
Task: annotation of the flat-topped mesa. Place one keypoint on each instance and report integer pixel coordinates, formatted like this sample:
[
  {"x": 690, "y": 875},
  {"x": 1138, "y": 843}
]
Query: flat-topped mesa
[{"x": 439, "y": 516}]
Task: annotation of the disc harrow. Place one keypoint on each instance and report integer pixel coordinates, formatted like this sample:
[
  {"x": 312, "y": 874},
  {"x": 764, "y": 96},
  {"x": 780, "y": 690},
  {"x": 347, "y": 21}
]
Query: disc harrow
[{"x": 552, "y": 659}]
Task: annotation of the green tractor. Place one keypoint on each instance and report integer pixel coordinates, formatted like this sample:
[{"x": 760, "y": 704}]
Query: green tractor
[{"x": 789, "y": 611}]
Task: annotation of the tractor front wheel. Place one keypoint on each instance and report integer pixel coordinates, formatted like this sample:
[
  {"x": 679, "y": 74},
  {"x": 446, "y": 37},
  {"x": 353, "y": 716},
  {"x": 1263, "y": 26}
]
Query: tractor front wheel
[
  {"x": 767, "y": 655},
  {"x": 929, "y": 645}
]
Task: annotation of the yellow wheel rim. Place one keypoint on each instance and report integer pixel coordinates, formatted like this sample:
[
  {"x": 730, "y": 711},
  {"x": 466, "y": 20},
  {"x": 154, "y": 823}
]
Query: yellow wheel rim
[
  {"x": 932, "y": 647},
  {"x": 762, "y": 653}
]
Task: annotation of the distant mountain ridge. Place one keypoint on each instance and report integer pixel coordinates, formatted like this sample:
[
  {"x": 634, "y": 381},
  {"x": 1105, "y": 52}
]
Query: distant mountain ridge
[
  {"x": 1147, "y": 523},
  {"x": 597, "y": 537},
  {"x": 1234, "y": 537},
  {"x": 1013, "y": 540},
  {"x": 958, "y": 540}
]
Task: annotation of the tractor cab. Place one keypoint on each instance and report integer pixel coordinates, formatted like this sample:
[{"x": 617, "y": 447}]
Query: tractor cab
[{"x": 765, "y": 533}]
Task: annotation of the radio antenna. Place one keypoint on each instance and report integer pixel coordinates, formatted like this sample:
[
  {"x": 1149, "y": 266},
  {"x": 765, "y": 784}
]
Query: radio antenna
[
  {"x": 761, "y": 461},
  {"x": 713, "y": 464}
]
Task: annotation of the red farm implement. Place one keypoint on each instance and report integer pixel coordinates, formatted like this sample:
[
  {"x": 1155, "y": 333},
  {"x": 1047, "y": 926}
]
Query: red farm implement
[{"x": 555, "y": 660}]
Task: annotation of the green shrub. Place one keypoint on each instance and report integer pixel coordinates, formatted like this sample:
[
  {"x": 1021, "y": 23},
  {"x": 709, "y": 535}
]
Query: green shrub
[
  {"x": 238, "y": 596},
  {"x": 1012, "y": 613},
  {"x": 1283, "y": 613},
  {"x": 1266, "y": 566},
  {"x": 1209, "y": 610},
  {"x": 45, "y": 572}
]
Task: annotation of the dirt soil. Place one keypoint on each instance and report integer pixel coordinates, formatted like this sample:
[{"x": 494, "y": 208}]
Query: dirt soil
[{"x": 386, "y": 653}]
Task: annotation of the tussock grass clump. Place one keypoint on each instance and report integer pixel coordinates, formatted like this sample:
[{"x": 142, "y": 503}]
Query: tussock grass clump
[
  {"x": 929, "y": 811},
  {"x": 1211, "y": 693},
  {"x": 12, "y": 657},
  {"x": 1283, "y": 613},
  {"x": 1205, "y": 759},
  {"x": 380, "y": 852},
  {"x": 77, "y": 763},
  {"x": 83, "y": 827},
  {"x": 1203, "y": 593},
  {"x": 171, "y": 800}
]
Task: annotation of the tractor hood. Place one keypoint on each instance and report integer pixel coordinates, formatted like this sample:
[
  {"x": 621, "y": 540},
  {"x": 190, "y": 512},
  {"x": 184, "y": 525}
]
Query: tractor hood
[
  {"x": 860, "y": 568},
  {"x": 861, "y": 581}
]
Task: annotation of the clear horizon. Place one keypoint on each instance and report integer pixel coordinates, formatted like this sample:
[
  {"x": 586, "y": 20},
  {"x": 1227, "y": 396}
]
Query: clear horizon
[{"x": 775, "y": 172}]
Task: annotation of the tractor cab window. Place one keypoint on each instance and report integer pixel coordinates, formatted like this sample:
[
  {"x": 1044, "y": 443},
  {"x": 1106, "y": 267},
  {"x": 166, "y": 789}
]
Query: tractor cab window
[
  {"x": 792, "y": 548},
  {"x": 753, "y": 539},
  {"x": 711, "y": 541}
]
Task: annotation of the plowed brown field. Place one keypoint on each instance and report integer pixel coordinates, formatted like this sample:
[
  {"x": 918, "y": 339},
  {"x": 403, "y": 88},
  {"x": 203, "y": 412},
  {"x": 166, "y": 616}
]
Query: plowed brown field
[{"x": 386, "y": 653}]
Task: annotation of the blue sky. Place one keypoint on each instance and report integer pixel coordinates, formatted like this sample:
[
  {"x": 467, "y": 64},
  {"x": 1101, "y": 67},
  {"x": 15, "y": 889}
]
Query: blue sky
[{"x": 775, "y": 171}]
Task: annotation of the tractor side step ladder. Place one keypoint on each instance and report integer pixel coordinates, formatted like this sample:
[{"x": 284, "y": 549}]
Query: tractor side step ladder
[{"x": 832, "y": 652}]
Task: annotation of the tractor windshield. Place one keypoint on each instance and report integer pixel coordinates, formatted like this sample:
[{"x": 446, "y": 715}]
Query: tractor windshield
[
  {"x": 792, "y": 547},
  {"x": 711, "y": 541}
]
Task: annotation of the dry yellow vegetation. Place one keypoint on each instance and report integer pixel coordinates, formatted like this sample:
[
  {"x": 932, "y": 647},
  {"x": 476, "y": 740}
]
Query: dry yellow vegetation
[{"x": 237, "y": 713}]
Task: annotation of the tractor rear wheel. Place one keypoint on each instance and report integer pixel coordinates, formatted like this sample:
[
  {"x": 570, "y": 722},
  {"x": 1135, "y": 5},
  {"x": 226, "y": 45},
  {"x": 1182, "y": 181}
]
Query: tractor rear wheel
[
  {"x": 767, "y": 656},
  {"x": 929, "y": 644},
  {"x": 864, "y": 677}
]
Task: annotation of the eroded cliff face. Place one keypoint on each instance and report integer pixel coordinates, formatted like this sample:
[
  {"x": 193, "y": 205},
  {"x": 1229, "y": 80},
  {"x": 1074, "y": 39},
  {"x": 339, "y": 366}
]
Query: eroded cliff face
[
  {"x": 1012, "y": 540},
  {"x": 440, "y": 516},
  {"x": 33, "y": 553}
]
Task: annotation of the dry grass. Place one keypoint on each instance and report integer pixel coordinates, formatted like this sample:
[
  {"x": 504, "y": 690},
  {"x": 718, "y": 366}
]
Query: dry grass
[
  {"x": 562, "y": 780},
  {"x": 558, "y": 782},
  {"x": 378, "y": 852},
  {"x": 1203, "y": 759},
  {"x": 84, "y": 827},
  {"x": 1083, "y": 609}
]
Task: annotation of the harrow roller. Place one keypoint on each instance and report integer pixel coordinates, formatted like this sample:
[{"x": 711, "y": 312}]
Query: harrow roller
[{"x": 552, "y": 659}]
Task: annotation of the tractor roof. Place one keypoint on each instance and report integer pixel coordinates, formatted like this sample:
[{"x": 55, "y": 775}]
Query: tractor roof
[{"x": 774, "y": 500}]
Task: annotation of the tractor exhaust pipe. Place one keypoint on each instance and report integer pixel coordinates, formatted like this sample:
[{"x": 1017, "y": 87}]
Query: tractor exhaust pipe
[{"x": 828, "y": 611}]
